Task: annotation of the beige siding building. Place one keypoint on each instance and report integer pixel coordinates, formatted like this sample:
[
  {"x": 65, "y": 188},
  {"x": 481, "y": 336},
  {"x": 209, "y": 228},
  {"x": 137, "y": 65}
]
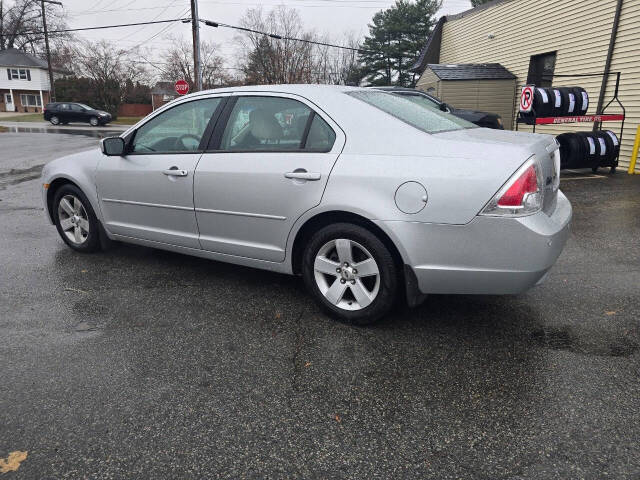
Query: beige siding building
[
  {"x": 481, "y": 86},
  {"x": 540, "y": 41}
]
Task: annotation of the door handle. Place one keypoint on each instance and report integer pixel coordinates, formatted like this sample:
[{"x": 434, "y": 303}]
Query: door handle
[
  {"x": 174, "y": 172},
  {"x": 300, "y": 174}
]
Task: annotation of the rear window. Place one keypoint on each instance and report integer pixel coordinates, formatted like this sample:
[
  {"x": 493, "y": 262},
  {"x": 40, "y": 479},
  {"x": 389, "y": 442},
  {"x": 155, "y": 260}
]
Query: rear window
[{"x": 422, "y": 116}]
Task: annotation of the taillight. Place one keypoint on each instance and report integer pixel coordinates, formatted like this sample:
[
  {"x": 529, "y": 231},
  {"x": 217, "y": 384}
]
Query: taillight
[{"x": 521, "y": 195}]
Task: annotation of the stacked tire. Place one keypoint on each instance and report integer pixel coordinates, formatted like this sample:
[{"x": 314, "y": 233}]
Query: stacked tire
[
  {"x": 589, "y": 149},
  {"x": 559, "y": 102}
]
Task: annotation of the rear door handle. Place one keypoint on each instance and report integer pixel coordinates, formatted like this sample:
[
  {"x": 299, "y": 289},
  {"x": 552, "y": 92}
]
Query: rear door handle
[
  {"x": 175, "y": 172},
  {"x": 300, "y": 174}
]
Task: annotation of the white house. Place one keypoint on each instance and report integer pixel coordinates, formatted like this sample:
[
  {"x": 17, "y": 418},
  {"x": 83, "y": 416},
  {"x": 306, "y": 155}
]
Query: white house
[{"x": 24, "y": 82}]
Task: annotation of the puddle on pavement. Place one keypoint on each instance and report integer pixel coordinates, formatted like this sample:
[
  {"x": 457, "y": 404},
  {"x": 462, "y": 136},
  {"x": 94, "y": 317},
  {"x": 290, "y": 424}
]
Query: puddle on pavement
[
  {"x": 567, "y": 339},
  {"x": 19, "y": 175},
  {"x": 67, "y": 131}
]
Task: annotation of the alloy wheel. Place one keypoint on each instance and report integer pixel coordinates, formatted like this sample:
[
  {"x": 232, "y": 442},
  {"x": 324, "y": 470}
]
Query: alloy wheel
[
  {"x": 347, "y": 274},
  {"x": 73, "y": 219},
  {"x": 55, "y": 120}
]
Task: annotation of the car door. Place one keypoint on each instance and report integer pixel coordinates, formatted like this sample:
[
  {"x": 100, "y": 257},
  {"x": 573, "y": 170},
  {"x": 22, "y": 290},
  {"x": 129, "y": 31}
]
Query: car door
[
  {"x": 268, "y": 163},
  {"x": 78, "y": 113},
  {"x": 63, "y": 112},
  {"x": 148, "y": 193}
]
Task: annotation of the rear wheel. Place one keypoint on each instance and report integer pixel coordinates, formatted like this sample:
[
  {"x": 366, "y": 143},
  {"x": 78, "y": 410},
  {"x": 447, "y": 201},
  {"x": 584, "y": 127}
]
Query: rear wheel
[
  {"x": 54, "y": 120},
  {"x": 75, "y": 220},
  {"x": 350, "y": 273}
]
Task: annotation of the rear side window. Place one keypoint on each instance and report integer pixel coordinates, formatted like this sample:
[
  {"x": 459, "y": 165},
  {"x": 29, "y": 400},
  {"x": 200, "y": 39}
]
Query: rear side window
[
  {"x": 321, "y": 136},
  {"x": 424, "y": 117},
  {"x": 275, "y": 124}
]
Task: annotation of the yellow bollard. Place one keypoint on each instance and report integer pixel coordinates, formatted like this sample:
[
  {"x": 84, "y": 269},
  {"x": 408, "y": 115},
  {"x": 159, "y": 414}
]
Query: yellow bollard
[{"x": 634, "y": 155}]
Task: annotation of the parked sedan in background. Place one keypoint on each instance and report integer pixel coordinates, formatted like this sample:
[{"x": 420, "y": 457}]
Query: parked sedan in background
[
  {"x": 67, "y": 112},
  {"x": 363, "y": 193},
  {"x": 482, "y": 119}
]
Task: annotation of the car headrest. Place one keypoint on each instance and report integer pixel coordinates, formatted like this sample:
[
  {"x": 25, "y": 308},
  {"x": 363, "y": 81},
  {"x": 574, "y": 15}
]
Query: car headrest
[{"x": 264, "y": 125}]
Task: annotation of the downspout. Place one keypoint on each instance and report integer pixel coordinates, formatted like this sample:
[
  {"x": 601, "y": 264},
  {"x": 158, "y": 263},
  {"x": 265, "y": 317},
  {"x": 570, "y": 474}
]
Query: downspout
[{"x": 607, "y": 65}]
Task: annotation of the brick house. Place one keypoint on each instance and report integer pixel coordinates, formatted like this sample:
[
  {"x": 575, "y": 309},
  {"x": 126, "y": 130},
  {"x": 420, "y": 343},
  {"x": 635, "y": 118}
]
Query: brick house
[{"x": 162, "y": 92}]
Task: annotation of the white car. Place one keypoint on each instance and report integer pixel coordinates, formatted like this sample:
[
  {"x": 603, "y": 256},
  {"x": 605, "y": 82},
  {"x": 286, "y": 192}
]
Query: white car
[{"x": 367, "y": 195}]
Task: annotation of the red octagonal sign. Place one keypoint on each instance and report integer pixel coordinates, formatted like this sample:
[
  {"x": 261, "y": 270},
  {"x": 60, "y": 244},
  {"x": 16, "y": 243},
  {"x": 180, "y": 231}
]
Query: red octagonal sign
[{"x": 182, "y": 87}]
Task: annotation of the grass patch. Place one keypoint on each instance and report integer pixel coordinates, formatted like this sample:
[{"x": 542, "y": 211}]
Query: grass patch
[
  {"x": 3, "y": 129},
  {"x": 126, "y": 120},
  {"x": 29, "y": 117},
  {"x": 38, "y": 117}
]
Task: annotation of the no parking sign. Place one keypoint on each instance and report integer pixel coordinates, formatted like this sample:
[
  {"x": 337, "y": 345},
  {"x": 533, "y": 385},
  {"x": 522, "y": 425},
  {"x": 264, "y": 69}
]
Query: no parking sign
[{"x": 526, "y": 99}]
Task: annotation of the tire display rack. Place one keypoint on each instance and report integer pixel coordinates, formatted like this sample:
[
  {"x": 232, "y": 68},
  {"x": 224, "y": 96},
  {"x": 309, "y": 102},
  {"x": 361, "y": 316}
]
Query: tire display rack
[{"x": 598, "y": 118}]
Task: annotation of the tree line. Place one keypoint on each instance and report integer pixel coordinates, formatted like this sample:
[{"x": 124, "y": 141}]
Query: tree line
[{"x": 106, "y": 75}]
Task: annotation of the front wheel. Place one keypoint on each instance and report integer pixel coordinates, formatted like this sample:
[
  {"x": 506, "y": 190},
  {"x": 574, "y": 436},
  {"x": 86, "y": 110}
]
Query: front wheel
[
  {"x": 94, "y": 121},
  {"x": 350, "y": 273},
  {"x": 75, "y": 220}
]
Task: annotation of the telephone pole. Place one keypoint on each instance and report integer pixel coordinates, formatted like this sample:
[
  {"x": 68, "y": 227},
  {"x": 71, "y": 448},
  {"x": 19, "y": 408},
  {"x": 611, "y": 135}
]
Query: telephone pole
[
  {"x": 197, "y": 66},
  {"x": 52, "y": 91}
]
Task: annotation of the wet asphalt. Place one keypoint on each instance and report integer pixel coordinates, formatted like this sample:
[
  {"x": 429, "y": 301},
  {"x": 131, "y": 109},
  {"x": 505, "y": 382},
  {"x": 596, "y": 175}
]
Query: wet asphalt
[{"x": 138, "y": 363}]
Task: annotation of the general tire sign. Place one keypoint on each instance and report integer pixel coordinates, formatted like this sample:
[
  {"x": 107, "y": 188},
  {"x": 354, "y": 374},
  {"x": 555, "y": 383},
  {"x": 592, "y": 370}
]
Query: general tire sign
[{"x": 526, "y": 99}]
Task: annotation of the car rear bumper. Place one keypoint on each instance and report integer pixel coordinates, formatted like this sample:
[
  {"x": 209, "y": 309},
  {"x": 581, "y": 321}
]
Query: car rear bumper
[{"x": 489, "y": 255}]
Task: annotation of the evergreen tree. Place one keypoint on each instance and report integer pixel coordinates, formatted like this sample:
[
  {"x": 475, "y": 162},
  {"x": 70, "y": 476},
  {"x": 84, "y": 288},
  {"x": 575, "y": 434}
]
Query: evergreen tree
[
  {"x": 475, "y": 3},
  {"x": 396, "y": 37}
]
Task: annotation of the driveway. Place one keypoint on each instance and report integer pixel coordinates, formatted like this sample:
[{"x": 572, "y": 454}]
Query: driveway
[{"x": 138, "y": 363}]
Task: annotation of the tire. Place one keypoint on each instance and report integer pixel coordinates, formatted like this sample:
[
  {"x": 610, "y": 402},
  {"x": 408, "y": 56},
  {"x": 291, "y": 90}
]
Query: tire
[
  {"x": 572, "y": 151},
  {"x": 54, "y": 120},
  {"x": 355, "y": 299},
  {"x": 77, "y": 224},
  {"x": 542, "y": 108},
  {"x": 94, "y": 122}
]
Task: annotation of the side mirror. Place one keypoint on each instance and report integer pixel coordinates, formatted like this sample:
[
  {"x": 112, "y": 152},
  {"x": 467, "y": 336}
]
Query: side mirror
[
  {"x": 444, "y": 107},
  {"x": 112, "y": 146}
]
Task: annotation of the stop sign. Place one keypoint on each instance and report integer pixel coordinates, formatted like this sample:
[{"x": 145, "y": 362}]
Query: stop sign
[{"x": 182, "y": 87}]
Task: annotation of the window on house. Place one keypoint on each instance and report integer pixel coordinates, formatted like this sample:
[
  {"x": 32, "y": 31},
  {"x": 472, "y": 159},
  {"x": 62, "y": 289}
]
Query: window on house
[
  {"x": 30, "y": 100},
  {"x": 18, "y": 74},
  {"x": 541, "y": 68}
]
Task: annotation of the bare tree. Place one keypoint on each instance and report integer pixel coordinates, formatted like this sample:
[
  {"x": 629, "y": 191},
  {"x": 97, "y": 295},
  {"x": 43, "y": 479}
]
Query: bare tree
[
  {"x": 109, "y": 70},
  {"x": 269, "y": 60},
  {"x": 24, "y": 16},
  {"x": 179, "y": 64}
]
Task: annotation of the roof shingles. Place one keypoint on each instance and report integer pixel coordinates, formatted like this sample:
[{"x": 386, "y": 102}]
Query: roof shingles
[
  {"x": 471, "y": 71},
  {"x": 12, "y": 57}
]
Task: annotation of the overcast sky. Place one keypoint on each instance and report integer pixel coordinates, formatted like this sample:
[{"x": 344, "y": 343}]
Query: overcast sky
[{"x": 331, "y": 16}]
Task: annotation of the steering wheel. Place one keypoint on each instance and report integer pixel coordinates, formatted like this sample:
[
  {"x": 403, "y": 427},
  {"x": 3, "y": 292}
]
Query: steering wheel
[{"x": 180, "y": 143}]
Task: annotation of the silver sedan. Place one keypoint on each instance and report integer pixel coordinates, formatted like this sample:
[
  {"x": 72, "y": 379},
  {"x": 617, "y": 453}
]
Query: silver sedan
[{"x": 366, "y": 195}]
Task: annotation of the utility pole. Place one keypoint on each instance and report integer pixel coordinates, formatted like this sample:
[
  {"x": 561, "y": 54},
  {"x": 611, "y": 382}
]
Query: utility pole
[
  {"x": 52, "y": 91},
  {"x": 197, "y": 66}
]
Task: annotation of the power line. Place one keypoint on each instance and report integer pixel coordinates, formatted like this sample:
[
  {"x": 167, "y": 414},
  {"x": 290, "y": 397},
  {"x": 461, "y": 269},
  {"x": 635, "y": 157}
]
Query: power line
[
  {"x": 120, "y": 25},
  {"x": 282, "y": 37}
]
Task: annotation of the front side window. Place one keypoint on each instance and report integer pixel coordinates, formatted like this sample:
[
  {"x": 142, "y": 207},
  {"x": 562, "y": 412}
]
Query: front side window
[
  {"x": 177, "y": 130},
  {"x": 76, "y": 108},
  {"x": 427, "y": 118},
  {"x": 275, "y": 124}
]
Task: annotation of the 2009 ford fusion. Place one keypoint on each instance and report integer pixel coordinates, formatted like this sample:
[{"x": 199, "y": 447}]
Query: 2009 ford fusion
[{"x": 368, "y": 196}]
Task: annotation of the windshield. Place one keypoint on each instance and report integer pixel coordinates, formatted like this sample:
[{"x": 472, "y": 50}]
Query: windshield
[
  {"x": 86, "y": 107},
  {"x": 425, "y": 117}
]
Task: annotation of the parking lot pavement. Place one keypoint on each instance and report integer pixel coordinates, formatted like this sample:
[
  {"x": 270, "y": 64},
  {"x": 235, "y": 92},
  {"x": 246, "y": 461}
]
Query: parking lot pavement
[{"x": 138, "y": 363}]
